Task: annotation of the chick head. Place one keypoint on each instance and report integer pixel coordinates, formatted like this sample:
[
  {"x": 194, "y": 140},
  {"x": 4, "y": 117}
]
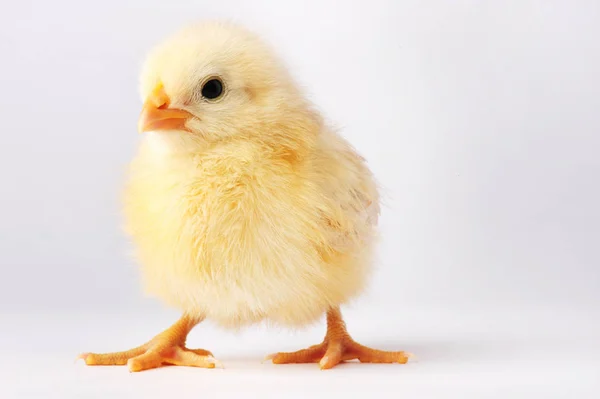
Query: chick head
[{"x": 213, "y": 80}]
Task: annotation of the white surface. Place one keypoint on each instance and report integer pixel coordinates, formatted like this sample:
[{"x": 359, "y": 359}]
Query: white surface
[
  {"x": 479, "y": 118},
  {"x": 533, "y": 352}
]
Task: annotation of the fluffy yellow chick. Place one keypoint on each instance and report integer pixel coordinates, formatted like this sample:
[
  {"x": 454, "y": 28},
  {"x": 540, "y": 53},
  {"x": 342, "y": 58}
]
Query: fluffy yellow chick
[{"x": 243, "y": 205}]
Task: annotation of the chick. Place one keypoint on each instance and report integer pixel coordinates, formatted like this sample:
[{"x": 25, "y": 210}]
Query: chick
[{"x": 242, "y": 204}]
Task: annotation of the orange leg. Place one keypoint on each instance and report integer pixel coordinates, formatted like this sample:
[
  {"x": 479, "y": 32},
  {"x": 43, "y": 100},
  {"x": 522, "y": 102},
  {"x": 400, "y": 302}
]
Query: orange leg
[
  {"x": 337, "y": 347},
  {"x": 167, "y": 347}
]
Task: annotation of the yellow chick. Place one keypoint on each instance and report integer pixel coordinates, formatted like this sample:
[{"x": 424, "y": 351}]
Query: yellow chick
[{"x": 242, "y": 204}]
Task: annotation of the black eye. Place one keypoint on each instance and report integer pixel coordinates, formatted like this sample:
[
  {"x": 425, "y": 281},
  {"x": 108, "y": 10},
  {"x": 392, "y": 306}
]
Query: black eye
[{"x": 212, "y": 89}]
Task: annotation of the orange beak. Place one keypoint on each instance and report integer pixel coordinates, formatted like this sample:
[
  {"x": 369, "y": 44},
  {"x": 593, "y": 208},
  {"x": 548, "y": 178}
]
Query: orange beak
[{"x": 156, "y": 114}]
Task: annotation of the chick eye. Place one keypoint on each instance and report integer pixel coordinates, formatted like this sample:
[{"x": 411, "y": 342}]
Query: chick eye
[{"x": 212, "y": 89}]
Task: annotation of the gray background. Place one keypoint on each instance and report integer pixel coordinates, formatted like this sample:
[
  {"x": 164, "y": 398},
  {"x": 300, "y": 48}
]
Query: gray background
[{"x": 478, "y": 117}]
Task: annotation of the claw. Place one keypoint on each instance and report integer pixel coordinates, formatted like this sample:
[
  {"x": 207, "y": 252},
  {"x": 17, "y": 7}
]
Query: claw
[
  {"x": 269, "y": 357},
  {"x": 323, "y": 362},
  {"x": 81, "y": 356},
  {"x": 217, "y": 363}
]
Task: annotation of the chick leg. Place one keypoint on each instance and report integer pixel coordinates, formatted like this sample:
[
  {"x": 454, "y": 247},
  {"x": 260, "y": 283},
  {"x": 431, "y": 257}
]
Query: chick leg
[
  {"x": 168, "y": 347},
  {"x": 337, "y": 347}
]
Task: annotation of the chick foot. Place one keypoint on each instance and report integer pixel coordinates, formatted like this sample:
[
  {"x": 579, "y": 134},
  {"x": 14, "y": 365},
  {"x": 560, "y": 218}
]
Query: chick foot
[
  {"x": 338, "y": 347},
  {"x": 167, "y": 347}
]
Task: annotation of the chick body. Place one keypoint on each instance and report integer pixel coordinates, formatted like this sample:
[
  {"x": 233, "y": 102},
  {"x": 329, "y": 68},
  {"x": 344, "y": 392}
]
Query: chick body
[{"x": 242, "y": 232}]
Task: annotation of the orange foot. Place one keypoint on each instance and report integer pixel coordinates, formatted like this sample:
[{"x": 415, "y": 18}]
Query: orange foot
[
  {"x": 167, "y": 347},
  {"x": 337, "y": 347}
]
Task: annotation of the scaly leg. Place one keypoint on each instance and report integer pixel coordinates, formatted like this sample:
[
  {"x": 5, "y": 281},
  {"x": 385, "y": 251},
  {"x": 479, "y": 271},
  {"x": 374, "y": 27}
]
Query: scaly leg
[
  {"x": 167, "y": 347},
  {"x": 337, "y": 347}
]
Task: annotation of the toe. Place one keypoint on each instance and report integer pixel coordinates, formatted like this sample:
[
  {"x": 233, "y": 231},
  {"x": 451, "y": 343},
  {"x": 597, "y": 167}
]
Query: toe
[
  {"x": 181, "y": 357},
  {"x": 148, "y": 360},
  {"x": 368, "y": 355},
  {"x": 110, "y": 359},
  {"x": 310, "y": 355},
  {"x": 332, "y": 357}
]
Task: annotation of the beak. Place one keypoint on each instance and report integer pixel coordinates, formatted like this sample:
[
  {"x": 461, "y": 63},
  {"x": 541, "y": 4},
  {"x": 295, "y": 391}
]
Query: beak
[{"x": 156, "y": 114}]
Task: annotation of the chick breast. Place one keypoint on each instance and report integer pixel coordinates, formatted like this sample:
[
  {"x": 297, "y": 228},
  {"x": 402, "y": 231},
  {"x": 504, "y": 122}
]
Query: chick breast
[{"x": 241, "y": 235}]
